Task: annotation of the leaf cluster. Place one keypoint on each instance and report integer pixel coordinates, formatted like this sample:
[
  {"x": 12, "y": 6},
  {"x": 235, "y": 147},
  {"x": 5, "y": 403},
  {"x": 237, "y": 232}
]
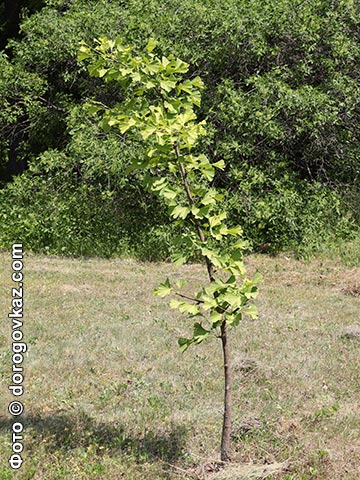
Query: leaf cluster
[{"x": 167, "y": 119}]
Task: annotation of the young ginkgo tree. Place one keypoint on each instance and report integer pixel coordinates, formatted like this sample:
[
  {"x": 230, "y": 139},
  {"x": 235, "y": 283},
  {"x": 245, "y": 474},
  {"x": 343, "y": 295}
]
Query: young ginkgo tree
[{"x": 158, "y": 108}]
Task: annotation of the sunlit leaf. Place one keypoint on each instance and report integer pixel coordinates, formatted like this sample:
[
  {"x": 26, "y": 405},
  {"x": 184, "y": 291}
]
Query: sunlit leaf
[{"x": 163, "y": 289}]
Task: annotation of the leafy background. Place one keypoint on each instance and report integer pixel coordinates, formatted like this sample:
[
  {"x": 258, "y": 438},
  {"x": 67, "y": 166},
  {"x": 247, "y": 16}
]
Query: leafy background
[{"x": 281, "y": 99}]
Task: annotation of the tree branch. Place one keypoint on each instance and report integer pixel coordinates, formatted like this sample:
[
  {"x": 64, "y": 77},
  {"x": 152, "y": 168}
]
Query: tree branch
[
  {"x": 196, "y": 300},
  {"x": 209, "y": 265}
]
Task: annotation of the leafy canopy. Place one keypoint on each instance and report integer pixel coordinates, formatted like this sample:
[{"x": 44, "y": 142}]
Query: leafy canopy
[{"x": 161, "y": 110}]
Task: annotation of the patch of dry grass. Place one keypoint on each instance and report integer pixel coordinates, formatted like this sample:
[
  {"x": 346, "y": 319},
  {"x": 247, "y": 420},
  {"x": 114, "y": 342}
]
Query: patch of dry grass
[{"x": 109, "y": 396}]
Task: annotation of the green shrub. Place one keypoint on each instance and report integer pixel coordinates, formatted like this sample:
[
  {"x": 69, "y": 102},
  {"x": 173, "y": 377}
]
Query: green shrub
[
  {"x": 280, "y": 212},
  {"x": 52, "y": 217},
  {"x": 281, "y": 100}
]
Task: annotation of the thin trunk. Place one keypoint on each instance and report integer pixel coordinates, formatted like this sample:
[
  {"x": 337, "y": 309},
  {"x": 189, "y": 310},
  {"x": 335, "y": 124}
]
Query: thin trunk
[
  {"x": 226, "y": 429},
  {"x": 209, "y": 265}
]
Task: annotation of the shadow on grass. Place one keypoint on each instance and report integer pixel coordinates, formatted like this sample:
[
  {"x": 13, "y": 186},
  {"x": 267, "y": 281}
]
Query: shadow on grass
[{"x": 66, "y": 432}]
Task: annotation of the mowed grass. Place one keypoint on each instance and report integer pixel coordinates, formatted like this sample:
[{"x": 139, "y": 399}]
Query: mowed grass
[{"x": 109, "y": 395}]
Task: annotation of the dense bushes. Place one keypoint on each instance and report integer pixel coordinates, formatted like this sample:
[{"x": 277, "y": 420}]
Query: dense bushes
[
  {"x": 53, "y": 213},
  {"x": 282, "y": 100},
  {"x": 280, "y": 211},
  {"x": 71, "y": 218}
]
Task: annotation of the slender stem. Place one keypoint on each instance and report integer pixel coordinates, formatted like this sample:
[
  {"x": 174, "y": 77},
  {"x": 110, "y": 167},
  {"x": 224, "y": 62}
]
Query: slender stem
[
  {"x": 226, "y": 429},
  {"x": 196, "y": 300},
  {"x": 209, "y": 265}
]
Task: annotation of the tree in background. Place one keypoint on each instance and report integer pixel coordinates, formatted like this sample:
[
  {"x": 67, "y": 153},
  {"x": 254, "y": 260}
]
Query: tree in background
[{"x": 281, "y": 102}]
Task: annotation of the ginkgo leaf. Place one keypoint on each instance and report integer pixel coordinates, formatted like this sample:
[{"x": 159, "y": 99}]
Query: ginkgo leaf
[
  {"x": 220, "y": 164},
  {"x": 252, "y": 311},
  {"x": 167, "y": 85},
  {"x": 184, "y": 343},
  {"x": 147, "y": 132},
  {"x": 235, "y": 231},
  {"x": 179, "y": 211},
  {"x": 152, "y": 43},
  {"x": 102, "y": 72},
  {"x": 215, "y": 316},
  {"x": 174, "y": 303},
  {"x": 178, "y": 259},
  {"x": 163, "y": 289},
  {"x": 180, "y": 283}
]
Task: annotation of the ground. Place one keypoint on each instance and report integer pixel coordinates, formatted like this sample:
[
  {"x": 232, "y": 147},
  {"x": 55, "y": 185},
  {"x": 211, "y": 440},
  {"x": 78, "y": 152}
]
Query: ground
[{"x": 109, "y": 395}]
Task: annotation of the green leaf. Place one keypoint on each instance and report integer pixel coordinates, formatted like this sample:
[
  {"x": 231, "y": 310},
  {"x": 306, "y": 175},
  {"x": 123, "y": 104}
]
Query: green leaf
[
  {"x": 84, "y": 52},
  {"x": 257, "y": 278},
  {"x": 146, "y": 132},
  {"x": 209, "y": 197},
  {"x": 177, "y": 66},
  {"x": 163, "y": 289},
  {"x": 232, "y": 298},
  {"x": 252, "y": 312},
  {"x": 179, "y": 211},
  {"x": 178, "y": 259},
  {"x": 93, "y": 108},
  {"x": 209, "y": 302},
  {"x": 208, "y": 173},
  {"x": 195, "y": 97},
  {"x": 231, "y": 280},
  {"x": 189, "y": 308},
  {"x": 215, "y": 316},
  {"x": 181, "y": 283},
  {"x": 237, "y": 256},
  {"x": 125, "y": 126},
  {"x": 158, "y": 183},
  {"x": 149, "y": 85},
  {"x": 152, "y": 43},
  {"x": 184, "y": 343},
  {"x": 233, "y": 318},
  {"x": 200, "y": 333},
  {"x": 165, "y": 62},
  {"x": 223, "y": 230},
  {"x": 250, "y": 290},
  {"x": 235, "y": 230},
  {"x": 241, "y": 245},
  {"x": 167, "y": 85},
  {"x": 220, "y": 164},
  {"x": 169, "y": 192},
  {"x": 195, "y": 210},
  {"x": 197, "y": 82},
  {"x": 102, "y": 72},
  {"x": 216, "y": 220},
  {"x": 186, "y": 86},
  {"x": 217, "y": 260},
  {"x": 174, "y": 303},
  {"x": 170, "y": 107},
  {"x": 136, "y": 76},
  {"x": 203, "y": 211}
]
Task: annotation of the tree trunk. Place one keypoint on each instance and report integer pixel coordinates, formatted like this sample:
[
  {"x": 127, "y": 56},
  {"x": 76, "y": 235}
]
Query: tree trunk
[{"x": 226, "y": 429}]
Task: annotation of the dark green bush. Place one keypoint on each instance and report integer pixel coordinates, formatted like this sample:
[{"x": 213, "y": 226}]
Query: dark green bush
[
  {"x": 281, "y": 98},
  {"x": 280, "y": 212},
  {"x": 52, "y": 214},
  {"x": 77, "y": 220}
]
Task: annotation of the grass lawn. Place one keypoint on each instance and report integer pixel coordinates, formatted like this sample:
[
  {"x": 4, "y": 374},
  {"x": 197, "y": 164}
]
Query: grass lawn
[{"x": 109, "y": 396}]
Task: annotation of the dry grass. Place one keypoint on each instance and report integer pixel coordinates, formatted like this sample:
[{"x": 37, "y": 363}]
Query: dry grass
[{"x": 109, "y": 396}]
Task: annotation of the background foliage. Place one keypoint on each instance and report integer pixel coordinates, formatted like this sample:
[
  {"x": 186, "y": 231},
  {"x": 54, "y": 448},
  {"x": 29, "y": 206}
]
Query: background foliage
[{"x": 281, "y": 98}]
